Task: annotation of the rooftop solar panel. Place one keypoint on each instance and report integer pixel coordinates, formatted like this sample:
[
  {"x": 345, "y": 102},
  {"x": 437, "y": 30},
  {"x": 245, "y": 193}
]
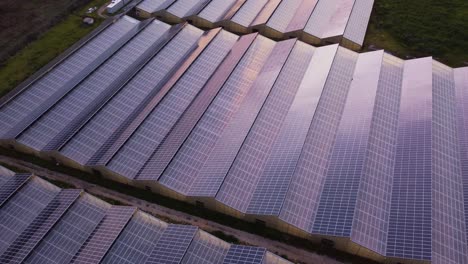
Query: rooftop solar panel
[
  {"x": 301, "y": 201},
  {"x": 248, "y": 12},
  {"x": 63, "y": 241},
  {"x": 329, "y": 18},
  {"x": 136, "y": 241},
  {"x": 172, "y": 143},
  {"x": 410, "y": 233},
  {"x": 338, "y": 200},
  {"x": 21, "y": 209},
  {"x": 357, "y": 24},
  {"x": 136, "y": 151},
  {"x": 84, "y": 145},
  {"x": 173, "y": 245},
  {"x": 73, "y": 226},
  {"x": 244, "y": 255},
  {"x": 264, "y": 15},
  {"x": 144, "y": 111},
  {"x": 227, "y": 147},
  {"x": 205, "y": 249},
  {"x": 12, "y": 185},
  {"x": 192, "y": 155},
  {"x": 371, "y": 218},
  {"x": 283, "y": 15},
  {"x": 3, "y": 176},
  {"x": 316, "y": 22},
  {"x": 223, "y": 155},
  {"x": 376, "y": 162},
  {"x": 270, "y": 193},
  {"x": 255, "y": 149},
  {"x": 184, "y": 8},
  {"x": 216, "y": 10},
  {"x": 22, "y": 246},
  {"x": 104, "y": 235},
  {"x": 449, "y": 238},
  {"x": 152, "y": 6},
  {"x": 301, "y": 16},
  {"x": 77, "y": 105},
  {"x": 16, "y": 115},
  {"x": 339, "y": 19},
  {"x": 461, "y": 87}
]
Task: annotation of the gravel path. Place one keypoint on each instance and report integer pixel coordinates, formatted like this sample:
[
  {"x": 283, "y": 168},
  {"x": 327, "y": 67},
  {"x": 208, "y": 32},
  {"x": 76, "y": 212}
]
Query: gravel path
[
  {"x": 294, "y": 254},
  {"x": 102, "y": 11}
]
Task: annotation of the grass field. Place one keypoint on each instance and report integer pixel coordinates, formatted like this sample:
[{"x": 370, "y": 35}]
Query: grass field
[
  {"x": 419, "y": 28},
  {"x": 48, "y": 45}
]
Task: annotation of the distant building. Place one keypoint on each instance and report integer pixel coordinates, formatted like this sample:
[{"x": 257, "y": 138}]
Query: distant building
[
  {"x": 313, "y": 21},
  {"x": 41, "y": 223},
  {"x": 116, "y": 5},
  {"x": 363, "y": 150}
]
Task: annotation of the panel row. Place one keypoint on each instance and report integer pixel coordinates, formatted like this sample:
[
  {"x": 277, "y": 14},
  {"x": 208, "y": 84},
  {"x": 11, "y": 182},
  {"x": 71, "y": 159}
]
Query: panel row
[
  {"x": 41, "y": 223},
  {"x": 313, "y": 21},
  {"x": 366, "y": 151}
]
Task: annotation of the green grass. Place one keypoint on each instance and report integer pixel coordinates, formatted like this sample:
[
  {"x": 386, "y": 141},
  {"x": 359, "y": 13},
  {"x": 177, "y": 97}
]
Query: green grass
[
  {"x": 191, "y": 209},
  {"x": 419, "y": 28},
  {"x": 47, "y": 47}
]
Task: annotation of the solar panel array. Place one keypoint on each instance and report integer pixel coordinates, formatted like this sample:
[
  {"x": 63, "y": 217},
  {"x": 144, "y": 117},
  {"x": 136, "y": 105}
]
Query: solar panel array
[
  {"x": 317, "y": 141},
  {"x": 71, "y": 226},
  {"x": 314, "y": 21}
]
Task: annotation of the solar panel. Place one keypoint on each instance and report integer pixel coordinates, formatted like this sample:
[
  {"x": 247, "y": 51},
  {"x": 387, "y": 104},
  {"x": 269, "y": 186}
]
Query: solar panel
[
  {"x": 84, "y": 145},
  {"x": 105, "y": 234},
  {"x": 181, "y": 130},
  {"x": 248, "y": 12},
  {"x": 269, "y": 194},
  {"x": 152, "y": 6},
  {"x": 266, "y": 125},
  {"x": 12, "y": 185},
  {"x": 329, "y": 18},
  {"x": 338, "y": 200},
  {"x": 136, "y": 241},
  {"x": 195, "y": 150},
  {"x": 410, "y": 232},
  {"x": 301, "y": 201},
  {"x": 205, "y": 249},
  {"x": 63, "y": 241},
  {"x": 216, "y": 10},
  {"x": 62, "y": 119},
  {"x": 21, "y": 209},
  {"x": 126, "y": 130},
  {"x": 38, "y": 228},
  {"x": 177, "y": 50},
  {"x": 185, "y": 8},
  {"x": 449, "y": 240},
  {"x": 370, "y": 227},
  {"x": 461, "y": 87},
  {"x": 283, "y": 15},
  {"x": 336, "y": 21},
  {"x": 244, "y": 255},
  {"x": 264, "y": 15},
  {"x": 227, "y": 147},
  {"x": 3, "y": 175},
  {"x": 173, "y": 245},
  {"x": 17, "y": 114},
  {"x": 301, "y": 16},
  {"x": 357, "y": 24}
]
